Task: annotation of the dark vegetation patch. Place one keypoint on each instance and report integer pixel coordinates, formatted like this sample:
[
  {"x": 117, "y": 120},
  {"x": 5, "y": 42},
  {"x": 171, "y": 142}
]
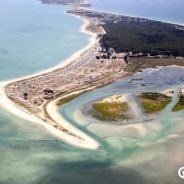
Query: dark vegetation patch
[
  {"x": 180, "y": 104},
  {"x": 68, "y": 99},
  {"x": 110, "y": 111},
  {"x": 152, "y": 37},
  {"x": 137, "y": 64},
  {"x": 154, "y": 102}
]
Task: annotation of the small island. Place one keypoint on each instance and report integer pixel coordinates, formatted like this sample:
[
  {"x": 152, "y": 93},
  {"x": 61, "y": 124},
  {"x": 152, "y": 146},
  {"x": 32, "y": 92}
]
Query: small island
[
  {"x": 113, "y": 108},
  {"x": 180, "y": 104},
  {"x": 154, "y": 102}
]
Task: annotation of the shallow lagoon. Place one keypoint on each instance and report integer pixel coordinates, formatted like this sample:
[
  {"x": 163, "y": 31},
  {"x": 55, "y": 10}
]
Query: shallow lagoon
[
  {"x": 138, "y": 148},
  {"x": 141, "y": 152}
]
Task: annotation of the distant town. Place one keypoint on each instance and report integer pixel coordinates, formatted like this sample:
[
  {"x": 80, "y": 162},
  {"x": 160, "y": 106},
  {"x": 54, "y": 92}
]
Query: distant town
[{"x": 137, "y": 36}]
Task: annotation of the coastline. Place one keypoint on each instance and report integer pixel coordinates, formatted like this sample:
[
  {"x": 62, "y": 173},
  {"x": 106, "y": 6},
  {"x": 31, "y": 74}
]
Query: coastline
[
  {"x": 91, "y": 42},
  {"x": 135, "y": 16},
  {"x": 55, "y": 122},
  {"x": 89, "y": 143},
  {"x": 85, "y": 143},
  {"x": 10, "y": 106}
]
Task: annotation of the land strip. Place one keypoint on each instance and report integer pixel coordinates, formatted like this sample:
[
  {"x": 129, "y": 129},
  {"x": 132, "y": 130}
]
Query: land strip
[
  {"x": 100, "y": 65},
  {"x": 33, "y": 95}
]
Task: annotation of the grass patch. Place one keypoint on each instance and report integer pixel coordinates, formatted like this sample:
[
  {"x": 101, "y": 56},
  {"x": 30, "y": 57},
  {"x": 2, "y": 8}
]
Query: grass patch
[
  {"x": 110, "y": 111},
  {"x": 154, "y": 102},
  {"x": 180, "y": 104},
  {"x": 136, "y": 64},
  {"x": 68, "y": 99}
]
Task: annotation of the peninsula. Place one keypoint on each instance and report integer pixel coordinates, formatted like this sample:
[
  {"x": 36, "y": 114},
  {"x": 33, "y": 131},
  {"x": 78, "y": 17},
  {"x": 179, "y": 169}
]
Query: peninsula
[
  {"x": 39, "y": 95},
  {"x": 104, "y": 61}
]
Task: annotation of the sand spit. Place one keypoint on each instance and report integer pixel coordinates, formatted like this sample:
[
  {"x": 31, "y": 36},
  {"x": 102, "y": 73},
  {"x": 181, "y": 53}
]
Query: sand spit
[
  {"x": 85, "y": 142},
  {"x": 34, "y": 97}
]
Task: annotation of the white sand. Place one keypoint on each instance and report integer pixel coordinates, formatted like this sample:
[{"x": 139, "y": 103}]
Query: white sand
[
  {"x": 182, "y": 90},
  {"x": 168, "y": 92},
  {"x": 87, "y": 143},
  {"x": 116, "y": 98}
]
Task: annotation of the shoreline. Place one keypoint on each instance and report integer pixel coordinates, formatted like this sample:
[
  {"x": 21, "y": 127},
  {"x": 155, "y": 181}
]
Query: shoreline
[
  {"x": 12, "y": 107},
  {"x": 49, "y": 116},
  {"x": 53, "y": 110},
  {"x": 86, "y": 143},
  {"x": 91, "y": 42},
  {"x": 135, "y": 16}
]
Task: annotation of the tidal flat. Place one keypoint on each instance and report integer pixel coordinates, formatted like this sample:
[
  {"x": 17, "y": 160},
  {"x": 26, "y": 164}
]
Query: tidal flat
[{"x": 146, "y": 138}]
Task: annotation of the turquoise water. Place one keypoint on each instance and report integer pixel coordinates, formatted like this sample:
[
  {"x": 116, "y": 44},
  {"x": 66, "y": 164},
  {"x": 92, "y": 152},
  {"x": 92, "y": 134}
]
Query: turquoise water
[
  {"x": 137, "y": 150},
  {"x": 34, "y": 37},
  {"x": 132, "y": 153},
  {"x": 165, "y": 10}
]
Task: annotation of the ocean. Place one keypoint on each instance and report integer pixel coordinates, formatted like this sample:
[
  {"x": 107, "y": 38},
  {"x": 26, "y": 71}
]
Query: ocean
[
  {"x": 34, "y": 37},
  {"x": 164, "y": 10}
]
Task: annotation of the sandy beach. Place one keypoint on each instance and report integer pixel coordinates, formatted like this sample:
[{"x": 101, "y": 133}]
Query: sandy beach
[
  {"x": 34, "y": 97},
  {"x": 86, "y": 142}
]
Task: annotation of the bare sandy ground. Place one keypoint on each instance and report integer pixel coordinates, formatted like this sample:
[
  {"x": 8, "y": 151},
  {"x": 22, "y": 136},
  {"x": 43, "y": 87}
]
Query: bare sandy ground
[
  {"x": 116, "y": 98},
  {"x": 88, "y": 142},
  {"x": 168, "y": 92}
]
